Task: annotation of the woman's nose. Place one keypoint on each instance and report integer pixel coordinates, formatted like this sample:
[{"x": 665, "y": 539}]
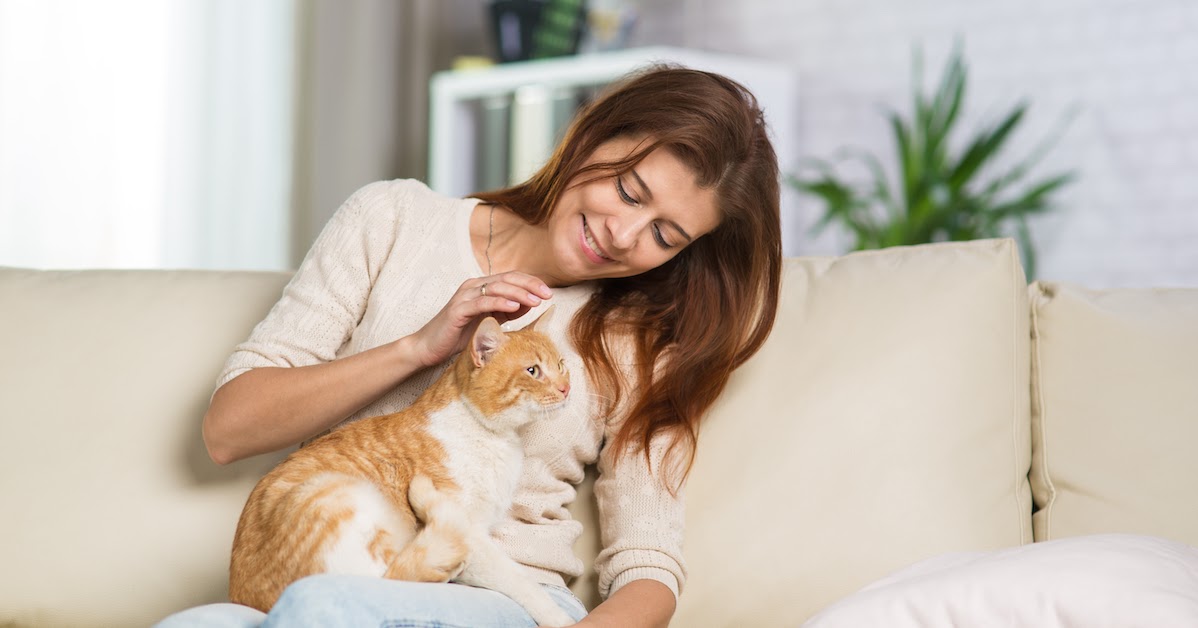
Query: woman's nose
[{"x": 626, "y": 228}]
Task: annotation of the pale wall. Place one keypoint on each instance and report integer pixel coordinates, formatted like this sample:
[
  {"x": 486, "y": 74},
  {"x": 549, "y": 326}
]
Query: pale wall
[{"x": 1128, "y": 66}]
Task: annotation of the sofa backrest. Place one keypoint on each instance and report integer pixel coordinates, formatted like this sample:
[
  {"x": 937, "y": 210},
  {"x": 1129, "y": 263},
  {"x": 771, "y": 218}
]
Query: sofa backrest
[
  {"x": 885, "y": 420},
  {"x": 114, "y": 516},
  {"x": 1115, "y": 411}
]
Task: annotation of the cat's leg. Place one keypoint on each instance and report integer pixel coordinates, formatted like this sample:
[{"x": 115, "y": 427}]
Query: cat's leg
[
  {"x": 369, "y": 532},
  {"x": 328, "y": 523},
  {"x": 438, "y": 552},
  {"x": 490, "y": 567}
]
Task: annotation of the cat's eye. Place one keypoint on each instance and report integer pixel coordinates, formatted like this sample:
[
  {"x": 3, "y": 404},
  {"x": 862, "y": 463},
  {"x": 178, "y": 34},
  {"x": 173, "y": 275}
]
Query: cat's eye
[{"x": 534, "y": 370}]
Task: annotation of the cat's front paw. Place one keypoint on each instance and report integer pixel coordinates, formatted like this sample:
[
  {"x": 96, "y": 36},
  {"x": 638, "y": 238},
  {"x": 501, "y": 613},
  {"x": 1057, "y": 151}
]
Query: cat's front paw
[{"x": 447, "y": 571}]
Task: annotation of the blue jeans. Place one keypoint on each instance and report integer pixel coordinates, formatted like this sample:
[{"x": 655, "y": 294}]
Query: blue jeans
[{"x": 332, "y": 601}]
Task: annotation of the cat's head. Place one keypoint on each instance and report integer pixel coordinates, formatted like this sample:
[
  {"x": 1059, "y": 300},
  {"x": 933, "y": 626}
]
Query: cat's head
[{"x": 517, "y": 376}]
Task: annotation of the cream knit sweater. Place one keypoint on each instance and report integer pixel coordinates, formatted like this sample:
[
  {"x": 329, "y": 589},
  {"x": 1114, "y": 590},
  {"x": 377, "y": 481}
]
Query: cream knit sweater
[{"x": 383, "y": 266}]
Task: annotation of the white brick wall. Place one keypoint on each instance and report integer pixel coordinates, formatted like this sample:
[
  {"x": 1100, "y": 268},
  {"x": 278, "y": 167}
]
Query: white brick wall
[{"x": 1130, "y": 68}]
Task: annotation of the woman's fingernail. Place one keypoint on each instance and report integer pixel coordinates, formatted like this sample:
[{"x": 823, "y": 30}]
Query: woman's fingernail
[{"x": 535, "y": 299}]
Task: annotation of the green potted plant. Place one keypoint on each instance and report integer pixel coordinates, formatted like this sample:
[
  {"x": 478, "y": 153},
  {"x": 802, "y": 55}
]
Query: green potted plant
[{"x": 940, "y": 193}]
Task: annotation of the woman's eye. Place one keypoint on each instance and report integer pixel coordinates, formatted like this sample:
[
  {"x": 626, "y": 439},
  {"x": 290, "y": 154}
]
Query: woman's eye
[
  {"x": 534, "y": 370},
  {"x": 661, "y": 240},
  {"x": 624, "y": 193}
]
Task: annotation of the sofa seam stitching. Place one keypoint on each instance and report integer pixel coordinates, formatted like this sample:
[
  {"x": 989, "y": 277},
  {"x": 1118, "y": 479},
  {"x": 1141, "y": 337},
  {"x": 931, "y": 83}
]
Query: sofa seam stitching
[
  {"x": 1023, "y": 531},
  {"x": 1039, "y": 406}
]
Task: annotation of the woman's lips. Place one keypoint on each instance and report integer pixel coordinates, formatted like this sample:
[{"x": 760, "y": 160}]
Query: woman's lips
[{"x": 590, "y": 247}]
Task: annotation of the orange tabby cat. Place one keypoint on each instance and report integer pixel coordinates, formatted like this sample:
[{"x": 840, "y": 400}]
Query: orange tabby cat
[{"x": 410, "y": 495}]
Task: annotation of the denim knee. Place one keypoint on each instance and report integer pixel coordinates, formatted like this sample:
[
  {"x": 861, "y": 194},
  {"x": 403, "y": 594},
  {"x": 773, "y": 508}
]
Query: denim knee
[
  {"x": 332, "y": 601},
  {"x": 319, "y": 600}
]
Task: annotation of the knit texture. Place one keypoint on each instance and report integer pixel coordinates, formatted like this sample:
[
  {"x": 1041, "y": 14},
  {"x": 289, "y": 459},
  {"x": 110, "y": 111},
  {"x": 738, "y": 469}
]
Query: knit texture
[{"x": 384, "y": 265}]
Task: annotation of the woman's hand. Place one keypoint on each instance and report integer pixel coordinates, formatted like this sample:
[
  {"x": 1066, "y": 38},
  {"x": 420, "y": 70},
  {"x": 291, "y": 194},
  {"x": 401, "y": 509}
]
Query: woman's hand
[{"x": 506, "y": 296}]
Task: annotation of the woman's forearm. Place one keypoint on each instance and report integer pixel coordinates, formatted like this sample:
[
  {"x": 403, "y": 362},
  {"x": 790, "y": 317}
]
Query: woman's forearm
[
  {"x": 268, "y": 409},
  {"x": 638, "y": 604}
]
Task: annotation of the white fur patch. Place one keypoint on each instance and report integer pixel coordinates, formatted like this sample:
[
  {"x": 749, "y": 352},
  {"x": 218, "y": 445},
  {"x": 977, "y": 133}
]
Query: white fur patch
[
  {"x": 349, "y": 553},
  {"x": 485, "y": 465}
]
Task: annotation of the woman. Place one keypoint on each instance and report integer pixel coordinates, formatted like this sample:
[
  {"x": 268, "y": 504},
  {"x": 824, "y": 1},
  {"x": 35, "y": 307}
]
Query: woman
[{"x": 654, "y": 226}]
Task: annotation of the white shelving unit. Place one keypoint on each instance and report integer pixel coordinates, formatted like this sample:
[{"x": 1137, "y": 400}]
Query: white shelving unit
[{"x": 455, "y": 94}]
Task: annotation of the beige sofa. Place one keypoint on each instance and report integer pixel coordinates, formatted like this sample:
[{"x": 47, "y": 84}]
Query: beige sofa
[{"x": 911, "y": 402}]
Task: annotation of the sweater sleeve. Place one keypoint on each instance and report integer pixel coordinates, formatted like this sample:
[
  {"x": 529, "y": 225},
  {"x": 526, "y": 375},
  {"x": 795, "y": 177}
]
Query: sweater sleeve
[
  {"x": 641, "y": 522},
  {"x": 327, "y": 296}
]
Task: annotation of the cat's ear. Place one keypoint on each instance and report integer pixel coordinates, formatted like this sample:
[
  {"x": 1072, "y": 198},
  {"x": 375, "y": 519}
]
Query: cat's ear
[
  {"x": 487, "y": 339},
  {"x": 543, "y": 319}
]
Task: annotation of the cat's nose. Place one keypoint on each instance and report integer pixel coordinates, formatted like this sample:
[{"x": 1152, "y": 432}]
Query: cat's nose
[{"x": 564, "y": 389}]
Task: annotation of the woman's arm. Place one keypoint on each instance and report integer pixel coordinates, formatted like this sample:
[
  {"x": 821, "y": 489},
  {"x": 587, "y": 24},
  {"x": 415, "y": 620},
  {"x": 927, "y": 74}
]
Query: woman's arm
[
  {"x": 269, "y": 408},
  {"x": 640, "y": 603},
  {"x": 641, "y": 566}
]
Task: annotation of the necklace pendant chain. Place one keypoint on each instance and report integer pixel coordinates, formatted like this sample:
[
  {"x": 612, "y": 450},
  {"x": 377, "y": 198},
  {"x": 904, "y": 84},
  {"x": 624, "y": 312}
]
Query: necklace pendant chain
[{"x": 490, "y": 235}]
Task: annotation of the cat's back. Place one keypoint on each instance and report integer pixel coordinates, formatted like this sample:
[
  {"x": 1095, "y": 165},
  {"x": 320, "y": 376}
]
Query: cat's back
[{"x": 387, "y": 449}]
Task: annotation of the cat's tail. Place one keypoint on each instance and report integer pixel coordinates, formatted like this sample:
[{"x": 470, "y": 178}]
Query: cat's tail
[{"x": 439, "y": 550}]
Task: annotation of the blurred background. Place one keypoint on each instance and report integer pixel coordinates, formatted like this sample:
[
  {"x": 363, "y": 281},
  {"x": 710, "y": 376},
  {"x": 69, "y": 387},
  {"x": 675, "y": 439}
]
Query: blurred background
[{"x": 224, "y": 133}]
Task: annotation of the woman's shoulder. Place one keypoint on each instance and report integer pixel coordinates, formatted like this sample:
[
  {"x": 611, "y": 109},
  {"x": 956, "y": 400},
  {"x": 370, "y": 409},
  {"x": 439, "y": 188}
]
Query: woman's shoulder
[
  {"x": 393, "y": 201},
  {"x": 401, "y": 193}
]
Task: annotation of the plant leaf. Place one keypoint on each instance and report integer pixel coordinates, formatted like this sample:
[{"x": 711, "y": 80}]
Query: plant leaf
[
  {"x": 938, "y": 193},
  {"x": 908, "y": 164},
  {"x": 1032, "y": 201},
  {"x": 1027, "y": 248},
  {"x": 984, "y": 147},
  {"x": 1020, "y": 170},
  {"x": 945, "y": 106}
]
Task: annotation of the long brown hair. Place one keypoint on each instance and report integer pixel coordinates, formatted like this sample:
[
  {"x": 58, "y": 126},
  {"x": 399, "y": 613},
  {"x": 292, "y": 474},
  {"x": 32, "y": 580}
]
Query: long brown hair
[{"x": 696, "y": 318}]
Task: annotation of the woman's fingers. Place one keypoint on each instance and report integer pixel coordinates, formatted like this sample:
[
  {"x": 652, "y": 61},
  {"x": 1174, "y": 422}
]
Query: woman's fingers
[
  {"x": 491, "y": 304},
  {"x": 524, "y": 289},
  {"x": 506, "y": 296}
]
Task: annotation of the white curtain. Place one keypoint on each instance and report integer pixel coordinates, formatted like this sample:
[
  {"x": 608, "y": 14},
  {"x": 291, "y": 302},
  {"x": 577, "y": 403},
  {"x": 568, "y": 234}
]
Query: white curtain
[
  {"x": 205, "y": 133},
  {"x": 145, "y": 133},
  {"x": 230, "y": 134}
]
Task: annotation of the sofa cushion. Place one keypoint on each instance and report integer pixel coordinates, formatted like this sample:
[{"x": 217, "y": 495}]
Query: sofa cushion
[
  {"x": 110, "y": 519},
  {"x": 1115, "y": 411},
  {"x": 885, "y": 421}
]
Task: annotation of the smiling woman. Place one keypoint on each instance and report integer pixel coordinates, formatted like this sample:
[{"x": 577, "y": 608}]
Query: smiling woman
[
  {"x": 614, "y": 225},
  {"x": 667, "y": 189},
  {"x": 654, "y": 228}
]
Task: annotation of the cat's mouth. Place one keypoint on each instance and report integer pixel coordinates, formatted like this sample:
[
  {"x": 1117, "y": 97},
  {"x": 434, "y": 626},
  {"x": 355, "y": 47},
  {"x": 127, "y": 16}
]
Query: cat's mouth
[{"x": 553, "y": 404}]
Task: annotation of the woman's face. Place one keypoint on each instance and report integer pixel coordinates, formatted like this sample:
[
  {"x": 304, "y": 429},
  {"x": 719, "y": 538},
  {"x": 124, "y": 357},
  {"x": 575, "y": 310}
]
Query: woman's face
[{"x": 623, "y": 226}]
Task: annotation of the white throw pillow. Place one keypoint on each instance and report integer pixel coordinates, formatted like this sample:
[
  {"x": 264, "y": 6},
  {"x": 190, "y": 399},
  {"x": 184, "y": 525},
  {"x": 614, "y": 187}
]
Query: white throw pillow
[{"x": 1116, "y": 580}]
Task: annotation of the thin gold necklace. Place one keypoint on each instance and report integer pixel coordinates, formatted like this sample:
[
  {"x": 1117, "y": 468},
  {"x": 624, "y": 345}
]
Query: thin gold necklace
[{"x": 490, "y": 234}]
